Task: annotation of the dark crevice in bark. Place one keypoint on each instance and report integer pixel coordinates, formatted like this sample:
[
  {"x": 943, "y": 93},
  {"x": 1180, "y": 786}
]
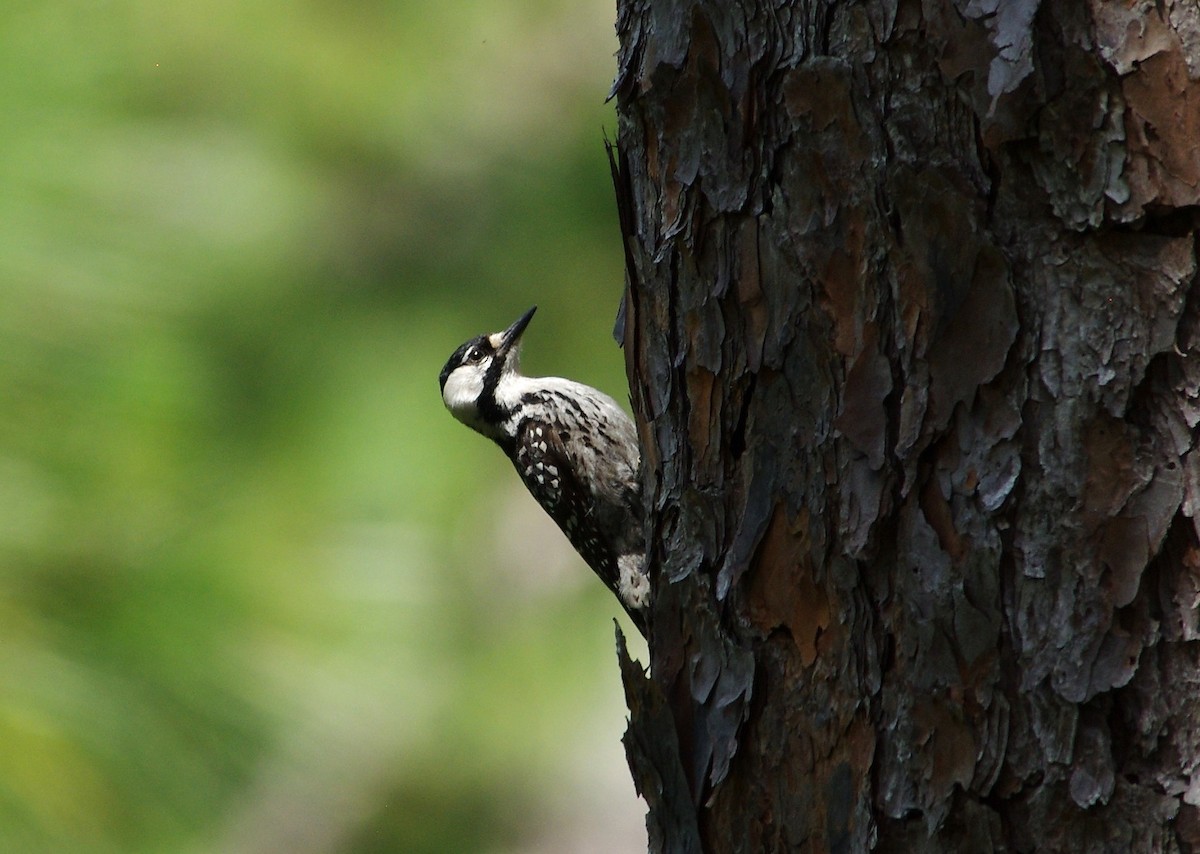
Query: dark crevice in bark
[
  {"x": 737, "y": 440},
  {"x": 1165, "y": 221}
]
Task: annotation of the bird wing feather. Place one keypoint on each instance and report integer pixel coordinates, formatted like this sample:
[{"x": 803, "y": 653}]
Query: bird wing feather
[{"x": 545, "y": 466}]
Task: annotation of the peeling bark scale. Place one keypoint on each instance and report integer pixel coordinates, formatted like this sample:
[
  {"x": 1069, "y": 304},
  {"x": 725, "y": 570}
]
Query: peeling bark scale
[{"x": 913, "y": 339}]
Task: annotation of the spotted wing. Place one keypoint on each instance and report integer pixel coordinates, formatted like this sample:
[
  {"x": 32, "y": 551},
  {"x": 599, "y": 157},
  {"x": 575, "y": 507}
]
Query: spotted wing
[{"x": 544, "y": 465}]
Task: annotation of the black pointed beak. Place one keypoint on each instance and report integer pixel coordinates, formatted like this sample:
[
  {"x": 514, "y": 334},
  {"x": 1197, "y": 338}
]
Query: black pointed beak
[{"x": 512, "y": 335}]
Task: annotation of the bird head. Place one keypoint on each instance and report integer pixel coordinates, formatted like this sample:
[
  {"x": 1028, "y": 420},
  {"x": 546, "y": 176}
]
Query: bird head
[{"x": 475, "y": 373}]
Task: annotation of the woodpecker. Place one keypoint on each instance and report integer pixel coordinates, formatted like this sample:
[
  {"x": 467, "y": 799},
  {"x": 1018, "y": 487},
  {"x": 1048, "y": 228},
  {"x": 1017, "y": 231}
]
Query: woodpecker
[{"x": 574, "y": 448}]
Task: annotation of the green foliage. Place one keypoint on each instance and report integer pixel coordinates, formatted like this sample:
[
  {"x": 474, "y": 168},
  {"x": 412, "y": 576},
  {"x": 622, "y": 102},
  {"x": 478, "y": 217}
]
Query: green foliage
[{"x": 252, "y": 591}]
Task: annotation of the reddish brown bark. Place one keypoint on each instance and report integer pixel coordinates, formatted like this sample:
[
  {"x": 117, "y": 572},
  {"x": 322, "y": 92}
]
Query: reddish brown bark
[{"x": 914, "y": 345}]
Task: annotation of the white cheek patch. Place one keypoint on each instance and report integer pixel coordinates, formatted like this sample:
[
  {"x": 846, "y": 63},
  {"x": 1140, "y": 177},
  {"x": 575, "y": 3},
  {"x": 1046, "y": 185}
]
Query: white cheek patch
[{"x": 463, "y": 387}]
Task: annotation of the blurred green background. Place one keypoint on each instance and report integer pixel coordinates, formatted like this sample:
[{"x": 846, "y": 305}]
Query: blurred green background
[{"x": 260, "y": 592}]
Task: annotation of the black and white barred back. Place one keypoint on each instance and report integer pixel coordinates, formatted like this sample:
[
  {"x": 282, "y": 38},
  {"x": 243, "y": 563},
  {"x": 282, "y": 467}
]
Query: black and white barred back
[{"x": 574, "y": 448}]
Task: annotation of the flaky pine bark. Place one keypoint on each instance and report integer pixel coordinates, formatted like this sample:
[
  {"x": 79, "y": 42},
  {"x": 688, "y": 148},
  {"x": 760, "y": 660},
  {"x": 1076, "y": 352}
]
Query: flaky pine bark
[{"x": 913, "y": 339}]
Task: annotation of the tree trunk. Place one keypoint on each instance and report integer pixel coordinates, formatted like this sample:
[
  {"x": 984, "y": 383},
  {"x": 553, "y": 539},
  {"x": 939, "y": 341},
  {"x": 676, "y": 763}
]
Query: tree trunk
[{"x": 913, "y": 338}]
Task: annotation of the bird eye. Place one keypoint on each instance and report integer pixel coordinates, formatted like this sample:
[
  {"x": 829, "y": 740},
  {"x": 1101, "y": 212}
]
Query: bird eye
[{"x": 474, "y": 355}]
